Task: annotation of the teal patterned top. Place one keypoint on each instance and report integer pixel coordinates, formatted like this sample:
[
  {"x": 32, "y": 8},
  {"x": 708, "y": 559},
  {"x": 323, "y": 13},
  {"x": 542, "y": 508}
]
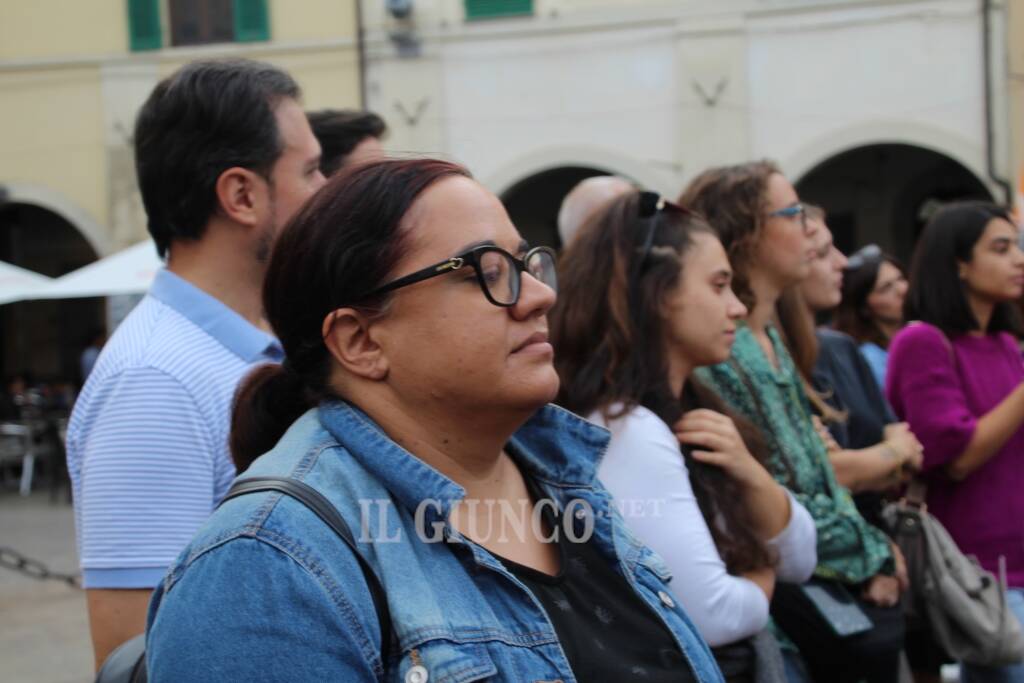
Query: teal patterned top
[{"x": 849, "y": 549}]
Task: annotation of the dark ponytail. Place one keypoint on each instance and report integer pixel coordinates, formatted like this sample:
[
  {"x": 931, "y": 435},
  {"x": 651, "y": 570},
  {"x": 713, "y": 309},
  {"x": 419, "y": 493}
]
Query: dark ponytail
[
  {"x": 267, "y": 402},
  {"x": 343, "y": 243}
]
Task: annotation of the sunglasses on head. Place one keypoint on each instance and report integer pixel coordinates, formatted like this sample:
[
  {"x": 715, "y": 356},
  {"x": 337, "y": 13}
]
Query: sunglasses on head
[{"x": 870, "y": 254}]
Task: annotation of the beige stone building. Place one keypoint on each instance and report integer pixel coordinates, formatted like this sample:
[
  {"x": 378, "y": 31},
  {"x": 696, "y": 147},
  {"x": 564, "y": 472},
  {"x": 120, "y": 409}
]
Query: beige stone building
[{"x": 72, "y": 76}]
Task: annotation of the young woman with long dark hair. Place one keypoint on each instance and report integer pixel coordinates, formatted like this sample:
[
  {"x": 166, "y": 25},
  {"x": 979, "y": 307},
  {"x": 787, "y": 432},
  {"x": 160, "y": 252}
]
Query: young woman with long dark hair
[
  {"x": 414, "y": 321},
  {"x": 760, "y": 221},
  {"x": 645, "y": 299},
  {"x": 871, "y": 307},
  {"x": 957, "y": 377},
  {"x": 871, "y": 451}
]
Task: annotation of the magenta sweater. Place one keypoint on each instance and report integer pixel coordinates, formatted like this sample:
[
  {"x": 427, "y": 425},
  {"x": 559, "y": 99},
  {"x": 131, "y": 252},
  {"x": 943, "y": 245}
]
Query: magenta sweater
[{"x": 941, "y": 388}]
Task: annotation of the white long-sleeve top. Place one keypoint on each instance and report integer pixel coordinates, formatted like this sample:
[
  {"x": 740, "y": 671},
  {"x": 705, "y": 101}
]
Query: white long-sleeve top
[{"x": 645, "y": 472}]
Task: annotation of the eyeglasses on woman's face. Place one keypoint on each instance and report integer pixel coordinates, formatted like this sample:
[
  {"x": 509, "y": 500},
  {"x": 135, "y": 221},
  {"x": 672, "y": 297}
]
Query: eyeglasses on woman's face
[
  {"x": 498, "y": 272},
  {"x": 793, "y": 211}
]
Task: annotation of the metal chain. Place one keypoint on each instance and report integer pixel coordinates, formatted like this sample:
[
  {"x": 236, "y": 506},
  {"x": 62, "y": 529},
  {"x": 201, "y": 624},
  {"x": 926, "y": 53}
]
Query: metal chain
[{"x": 12, "y": 559}]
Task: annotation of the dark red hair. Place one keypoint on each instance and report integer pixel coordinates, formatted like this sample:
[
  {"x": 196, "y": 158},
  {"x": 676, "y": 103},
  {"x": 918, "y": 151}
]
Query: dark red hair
[{"x": 344, "y": 243}]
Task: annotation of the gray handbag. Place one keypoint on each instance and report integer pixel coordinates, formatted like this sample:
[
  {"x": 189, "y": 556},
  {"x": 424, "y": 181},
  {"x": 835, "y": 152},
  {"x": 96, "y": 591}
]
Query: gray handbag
[{"x": 964, "y": 605}]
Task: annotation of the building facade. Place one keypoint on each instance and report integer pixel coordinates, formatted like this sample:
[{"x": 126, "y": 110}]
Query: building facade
[
  {"x": 880, "y": 111},
  {"x": 1016, "y": 69},
  {"x": 72, "y": 77}
]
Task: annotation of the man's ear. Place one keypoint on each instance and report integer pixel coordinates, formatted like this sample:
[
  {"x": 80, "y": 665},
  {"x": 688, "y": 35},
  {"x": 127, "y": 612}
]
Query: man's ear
[
  {"x": 240, "y": 195},
  {"x": 348, "y": 335}
]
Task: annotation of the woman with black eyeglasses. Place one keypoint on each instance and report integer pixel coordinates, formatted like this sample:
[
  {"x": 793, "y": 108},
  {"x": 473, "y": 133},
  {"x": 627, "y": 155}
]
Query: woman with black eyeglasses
[
  {"x": 646, "y": 298},
  {"x": 413, "y": 398},
  {"x": 753, "y": 208},
  {"x": 871, "y": 310}
]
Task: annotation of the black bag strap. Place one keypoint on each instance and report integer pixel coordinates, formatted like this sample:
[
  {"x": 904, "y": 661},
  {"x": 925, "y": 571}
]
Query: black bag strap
[{"x": 315, "y": 501}]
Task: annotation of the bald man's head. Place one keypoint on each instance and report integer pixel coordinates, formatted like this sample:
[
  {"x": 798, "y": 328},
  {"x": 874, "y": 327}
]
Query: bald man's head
[{"x": 585, "y": 199}]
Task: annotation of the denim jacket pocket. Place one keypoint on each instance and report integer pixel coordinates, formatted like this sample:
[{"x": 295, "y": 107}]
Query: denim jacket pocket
[
  {"x": 442, "y": 661},
  {"x": 653, "y": 562}
]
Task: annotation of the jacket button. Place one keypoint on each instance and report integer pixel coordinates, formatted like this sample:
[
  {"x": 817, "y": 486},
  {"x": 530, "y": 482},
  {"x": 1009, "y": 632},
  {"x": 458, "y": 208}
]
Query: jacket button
[
  {"x": 417, "y": 674},
  {"x": 666, "y": 599}
]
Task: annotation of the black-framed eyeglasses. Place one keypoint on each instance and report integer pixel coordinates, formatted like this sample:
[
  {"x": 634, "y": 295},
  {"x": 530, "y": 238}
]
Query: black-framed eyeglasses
[
  {"x": 498, "y": 272},
  {"x": 869, "y": 254},
  {"x": 792, "y": 211}
]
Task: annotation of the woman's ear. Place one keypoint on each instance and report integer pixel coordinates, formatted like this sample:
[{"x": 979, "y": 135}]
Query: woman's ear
[
  {"x": 349, "y": 339},
  {"x": 240, "y": 195}
]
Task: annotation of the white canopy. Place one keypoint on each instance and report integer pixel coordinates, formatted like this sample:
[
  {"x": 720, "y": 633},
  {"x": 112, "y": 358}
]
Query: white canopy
[
  {"x": 127, "y": 272},
  {"x": 18, "y": 283}
]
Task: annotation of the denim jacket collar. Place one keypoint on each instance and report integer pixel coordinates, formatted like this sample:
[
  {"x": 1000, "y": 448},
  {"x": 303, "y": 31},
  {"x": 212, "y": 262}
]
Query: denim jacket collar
[{"x": 554, "y": 445}]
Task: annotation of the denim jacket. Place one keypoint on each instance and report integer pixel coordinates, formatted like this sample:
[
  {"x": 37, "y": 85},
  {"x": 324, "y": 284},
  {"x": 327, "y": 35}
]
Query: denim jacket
[{"x": 265, "y": 591}]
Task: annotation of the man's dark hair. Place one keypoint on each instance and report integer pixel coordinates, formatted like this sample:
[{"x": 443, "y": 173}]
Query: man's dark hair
[
  {"x": 936, "y": 294},
  {"x": 205, "y": 118},
  {"x": 339, "y": 131}
]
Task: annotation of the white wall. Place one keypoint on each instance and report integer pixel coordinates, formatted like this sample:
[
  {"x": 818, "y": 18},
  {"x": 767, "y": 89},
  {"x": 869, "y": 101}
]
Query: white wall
[
  {"x": 612, "y": 90},
  {"x": 878, "y": 68},
  {"x": 685, "y": 85}
]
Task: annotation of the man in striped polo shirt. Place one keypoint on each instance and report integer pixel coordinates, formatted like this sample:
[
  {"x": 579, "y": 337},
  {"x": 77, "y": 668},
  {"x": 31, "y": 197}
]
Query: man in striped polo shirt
[{"x": 224, "y": 156}]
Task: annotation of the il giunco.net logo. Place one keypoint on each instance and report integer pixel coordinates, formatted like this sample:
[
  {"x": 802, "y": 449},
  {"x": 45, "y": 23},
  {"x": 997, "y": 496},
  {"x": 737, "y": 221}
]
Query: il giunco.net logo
[{"x": 489, "y": 520}]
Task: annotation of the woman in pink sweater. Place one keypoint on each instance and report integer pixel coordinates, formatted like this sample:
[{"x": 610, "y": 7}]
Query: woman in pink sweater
[{"x": 957, "y": 377}]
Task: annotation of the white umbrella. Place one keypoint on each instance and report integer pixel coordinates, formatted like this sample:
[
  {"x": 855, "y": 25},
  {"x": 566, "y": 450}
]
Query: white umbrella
[
  {"x": 127, "y": 272},
  {"x": 18, "y": 283}
]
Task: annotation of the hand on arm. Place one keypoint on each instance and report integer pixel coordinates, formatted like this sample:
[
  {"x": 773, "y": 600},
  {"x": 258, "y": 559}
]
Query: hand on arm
[
  {"x": 643, "y": 463},
  {"x": 826, "y": 436},
  {"x": 992, "y": 432},
  {"x": 925, "y": 385},
  {"x": 714, "y": 440},
  {"x": 764, "y": 578},
  {"x": 881, "y": 466}
]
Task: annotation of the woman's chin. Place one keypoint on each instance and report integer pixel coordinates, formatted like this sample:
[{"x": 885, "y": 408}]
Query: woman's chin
[{"x": 541, "y": 389}]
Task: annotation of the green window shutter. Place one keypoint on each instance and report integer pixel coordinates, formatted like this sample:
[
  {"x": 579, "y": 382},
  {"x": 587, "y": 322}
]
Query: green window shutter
[
  {"x": 490, "y": 9},
  {"x": 144, "y": 25},
  {"x": 252, "y": 21}
]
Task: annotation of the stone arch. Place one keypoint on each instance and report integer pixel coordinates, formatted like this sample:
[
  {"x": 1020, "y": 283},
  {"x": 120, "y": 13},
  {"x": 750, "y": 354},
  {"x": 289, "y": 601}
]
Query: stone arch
[
  {"x": 884, "y": 190},
  {"x": 79, "y": 218},
  {"x": 549, "y": 158},
  {"x": 950, "y": 144},
  {"x": 41, "y": 231},
  {"x": 533, "y": 187}
]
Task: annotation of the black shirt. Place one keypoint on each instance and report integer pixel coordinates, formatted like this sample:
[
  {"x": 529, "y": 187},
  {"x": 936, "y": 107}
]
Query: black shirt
[
  {"x": 605, "y": 629},
  {"x": 845, "y": 381}
]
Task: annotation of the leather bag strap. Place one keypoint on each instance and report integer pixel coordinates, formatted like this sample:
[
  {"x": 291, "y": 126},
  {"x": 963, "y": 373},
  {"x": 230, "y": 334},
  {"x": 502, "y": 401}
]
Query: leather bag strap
[{"x": 322, "y": 508}]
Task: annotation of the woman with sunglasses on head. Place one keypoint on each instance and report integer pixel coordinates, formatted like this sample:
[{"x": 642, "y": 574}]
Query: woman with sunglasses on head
[
  {"x": 871, "y": 308},
  {"x": 760, "y": 221},
  {"x": 414, "y": 320},
  {"x": 956, "y": 376},
  {"x": 645, "y": 298}
]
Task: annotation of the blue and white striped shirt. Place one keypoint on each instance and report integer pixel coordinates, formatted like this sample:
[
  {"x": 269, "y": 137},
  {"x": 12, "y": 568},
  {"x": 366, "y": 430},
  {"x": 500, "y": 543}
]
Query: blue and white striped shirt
[{"x": 147, "y": 443}]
